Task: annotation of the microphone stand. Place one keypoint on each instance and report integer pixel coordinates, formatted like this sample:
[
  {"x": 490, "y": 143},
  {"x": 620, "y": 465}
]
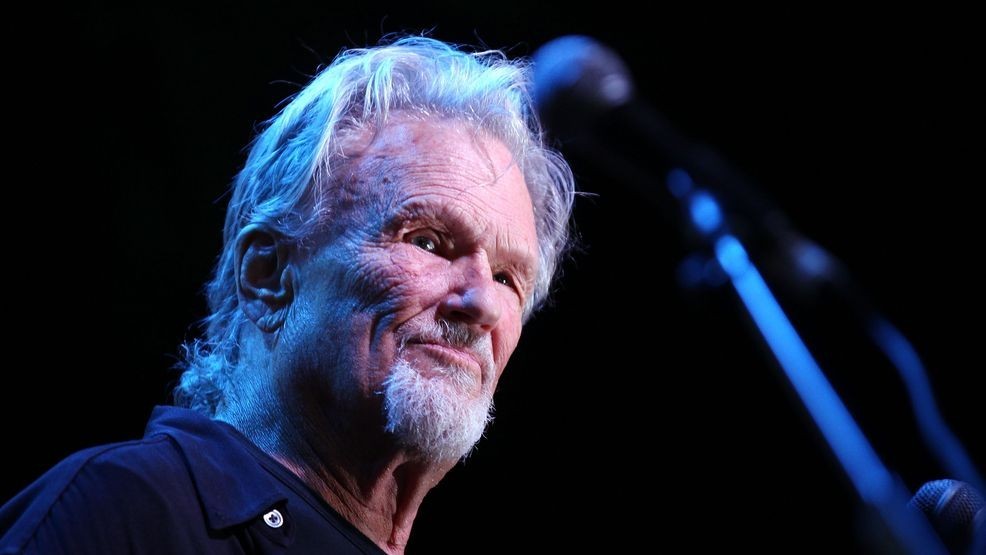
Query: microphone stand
[
  {"x": 875, "y": 485},
  {"x": 582, "y": 85}
]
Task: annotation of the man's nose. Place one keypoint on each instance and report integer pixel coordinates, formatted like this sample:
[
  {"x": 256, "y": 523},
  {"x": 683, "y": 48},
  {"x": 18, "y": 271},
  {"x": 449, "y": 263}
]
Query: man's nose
[{"x": 472, "y": 296}]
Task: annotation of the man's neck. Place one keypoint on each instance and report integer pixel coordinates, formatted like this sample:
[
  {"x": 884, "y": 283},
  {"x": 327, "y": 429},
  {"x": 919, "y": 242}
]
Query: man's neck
[
  {"x": 374, "y": 485},
  {"x": 381, "y": 502}
]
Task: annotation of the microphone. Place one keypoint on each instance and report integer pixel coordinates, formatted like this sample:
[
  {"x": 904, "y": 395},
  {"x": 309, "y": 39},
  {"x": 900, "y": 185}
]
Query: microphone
[
  {"x": 587, "y": 99},
  {"x": 957, "y": 511},
  {"x": 577, "y": 79}
]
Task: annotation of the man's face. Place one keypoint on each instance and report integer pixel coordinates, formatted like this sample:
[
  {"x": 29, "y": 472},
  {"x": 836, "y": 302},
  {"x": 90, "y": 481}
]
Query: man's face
[{"x": 413, "y": 303}]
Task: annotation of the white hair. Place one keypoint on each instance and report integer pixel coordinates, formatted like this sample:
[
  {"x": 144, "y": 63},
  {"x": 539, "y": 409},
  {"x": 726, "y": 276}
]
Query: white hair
[
  {"x": 437, "y": 416},
  {"x": 288, "y": 173}
]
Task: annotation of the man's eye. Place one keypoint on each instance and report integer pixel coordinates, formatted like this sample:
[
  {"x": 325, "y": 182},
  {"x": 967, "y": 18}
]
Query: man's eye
[
  {"x": 424, "y": 242},
  {"x": 504, "y": 278}
]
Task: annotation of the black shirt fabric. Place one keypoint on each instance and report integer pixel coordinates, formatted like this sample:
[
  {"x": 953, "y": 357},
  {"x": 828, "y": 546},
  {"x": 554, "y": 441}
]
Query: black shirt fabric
[{"x": 191, "y": 485}]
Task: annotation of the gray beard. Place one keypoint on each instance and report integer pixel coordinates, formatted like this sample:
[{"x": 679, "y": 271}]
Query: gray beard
[{"x": 436, "y": 417}]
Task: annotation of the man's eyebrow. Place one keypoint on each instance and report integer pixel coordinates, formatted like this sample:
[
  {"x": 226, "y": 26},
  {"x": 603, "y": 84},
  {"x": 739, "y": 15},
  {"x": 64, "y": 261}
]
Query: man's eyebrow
[
  {"x": 409, "y": 209},
  {"x": 449, "y": 218}
]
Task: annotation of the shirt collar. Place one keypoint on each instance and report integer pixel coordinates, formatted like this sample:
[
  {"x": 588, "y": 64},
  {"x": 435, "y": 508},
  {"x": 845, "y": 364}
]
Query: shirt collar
[{"x": 230, "y": 482}]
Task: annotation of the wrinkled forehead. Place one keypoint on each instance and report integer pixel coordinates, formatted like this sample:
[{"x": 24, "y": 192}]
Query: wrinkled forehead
[
  {"x": 406, "y": 141},
  {"x": 378, "y": 165}
]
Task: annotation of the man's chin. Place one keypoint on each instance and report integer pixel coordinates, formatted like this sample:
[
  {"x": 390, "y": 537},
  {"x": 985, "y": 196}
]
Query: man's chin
[{"x": 435, "y": 415}]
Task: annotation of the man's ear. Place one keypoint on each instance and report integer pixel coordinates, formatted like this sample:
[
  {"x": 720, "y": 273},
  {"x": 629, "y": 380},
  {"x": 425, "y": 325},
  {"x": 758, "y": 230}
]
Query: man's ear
[{"x": 264, "y": 276}]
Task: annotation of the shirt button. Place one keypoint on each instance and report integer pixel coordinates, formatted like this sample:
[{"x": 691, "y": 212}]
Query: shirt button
[{"x": 274, "y": 519}]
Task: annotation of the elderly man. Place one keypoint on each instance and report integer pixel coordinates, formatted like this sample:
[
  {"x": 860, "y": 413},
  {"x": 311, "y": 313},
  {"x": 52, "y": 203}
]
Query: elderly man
[{"x": 391, "y": 231}]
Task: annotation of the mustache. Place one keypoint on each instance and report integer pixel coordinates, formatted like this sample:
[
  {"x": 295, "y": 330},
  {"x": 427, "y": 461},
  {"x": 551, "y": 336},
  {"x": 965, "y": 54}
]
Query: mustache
[{"x": 454, "y": 334}]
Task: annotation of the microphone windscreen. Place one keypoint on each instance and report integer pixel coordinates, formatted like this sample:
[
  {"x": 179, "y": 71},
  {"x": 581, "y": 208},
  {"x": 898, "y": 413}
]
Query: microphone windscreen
[
  {"x": 954, "y": 508},
  {"x": 577, "y": 77}
]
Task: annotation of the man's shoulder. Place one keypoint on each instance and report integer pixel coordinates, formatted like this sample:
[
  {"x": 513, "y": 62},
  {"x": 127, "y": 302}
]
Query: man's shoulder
[
  {"x": 152, "y": 461},
  {"x": 118, "y": 483},
  {"x": 149, "y": 459}
]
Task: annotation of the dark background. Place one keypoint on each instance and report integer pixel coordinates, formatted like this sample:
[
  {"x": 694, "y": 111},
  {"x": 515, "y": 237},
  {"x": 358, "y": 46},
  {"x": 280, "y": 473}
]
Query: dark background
[{"x": 634, "y": 415}]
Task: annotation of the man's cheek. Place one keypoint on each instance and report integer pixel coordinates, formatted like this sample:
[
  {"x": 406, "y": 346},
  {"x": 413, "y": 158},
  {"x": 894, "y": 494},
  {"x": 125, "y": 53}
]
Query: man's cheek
[{"x": 405, "y": 276}]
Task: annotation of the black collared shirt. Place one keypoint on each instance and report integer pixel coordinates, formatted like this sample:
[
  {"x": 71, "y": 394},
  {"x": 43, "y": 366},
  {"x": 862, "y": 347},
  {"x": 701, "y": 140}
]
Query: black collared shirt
[{"x": 191, "y": 485}]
